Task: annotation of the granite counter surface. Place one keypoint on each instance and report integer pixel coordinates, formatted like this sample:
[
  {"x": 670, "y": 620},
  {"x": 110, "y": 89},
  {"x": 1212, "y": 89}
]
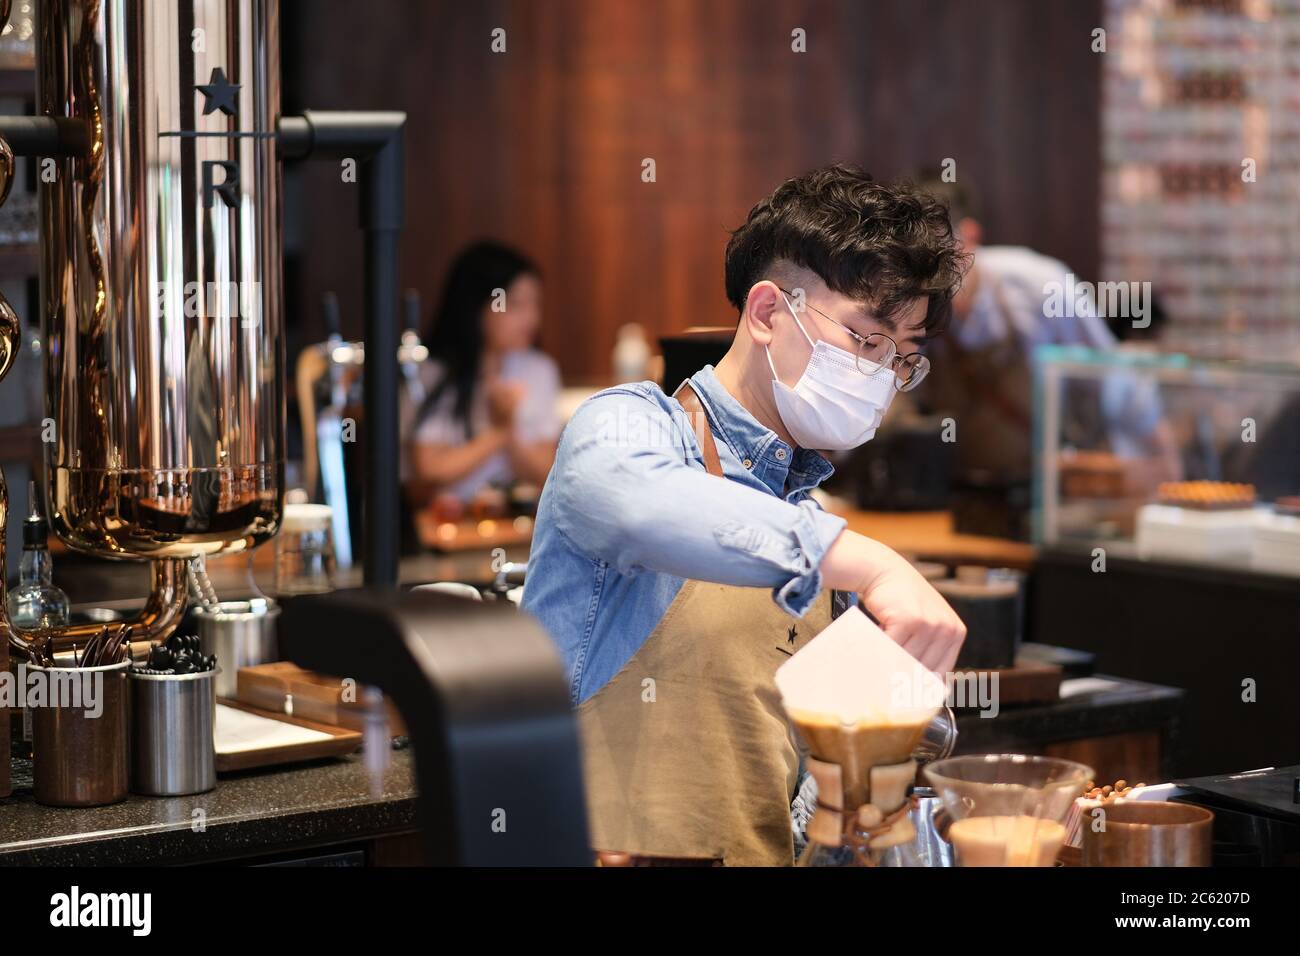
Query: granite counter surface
[{"x": 252, "y": 813}]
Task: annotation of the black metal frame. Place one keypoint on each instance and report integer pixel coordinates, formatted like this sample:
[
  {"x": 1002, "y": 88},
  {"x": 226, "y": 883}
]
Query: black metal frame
[{"x": 376, "y": 141}]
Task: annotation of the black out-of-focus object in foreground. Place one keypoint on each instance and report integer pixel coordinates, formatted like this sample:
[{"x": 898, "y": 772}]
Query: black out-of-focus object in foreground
[
  {"x": 1256, "y": 815},
  {"x": 688, "y": 352},
  {"x": 993, "y": 507},
  {"x": 483, "y": 695},
  {"x": 906, "y": 467}
]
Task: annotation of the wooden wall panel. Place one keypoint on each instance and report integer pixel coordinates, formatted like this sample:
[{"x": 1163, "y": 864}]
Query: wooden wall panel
[{"x": 542, "y": 146}]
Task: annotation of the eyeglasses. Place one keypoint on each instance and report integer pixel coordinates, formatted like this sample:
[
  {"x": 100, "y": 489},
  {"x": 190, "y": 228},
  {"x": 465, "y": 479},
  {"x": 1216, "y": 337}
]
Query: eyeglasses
[{"x": 877, "y": 350}]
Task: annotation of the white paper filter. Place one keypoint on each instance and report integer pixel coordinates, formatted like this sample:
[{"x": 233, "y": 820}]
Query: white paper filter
[{"x": 856, "y": 672}]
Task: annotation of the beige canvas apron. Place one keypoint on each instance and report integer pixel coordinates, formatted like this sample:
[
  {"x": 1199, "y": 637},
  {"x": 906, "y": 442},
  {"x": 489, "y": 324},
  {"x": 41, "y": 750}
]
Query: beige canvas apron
[{"x": 687, "y": 751}]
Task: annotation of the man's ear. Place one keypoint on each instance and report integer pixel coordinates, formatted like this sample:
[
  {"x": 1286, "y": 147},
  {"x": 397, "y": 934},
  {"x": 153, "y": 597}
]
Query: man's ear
[{"x": 764, "y": 304}]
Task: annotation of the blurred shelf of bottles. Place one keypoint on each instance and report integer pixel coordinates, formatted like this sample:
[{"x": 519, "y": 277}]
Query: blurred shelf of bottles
[{"x": 1201, "y": 169}]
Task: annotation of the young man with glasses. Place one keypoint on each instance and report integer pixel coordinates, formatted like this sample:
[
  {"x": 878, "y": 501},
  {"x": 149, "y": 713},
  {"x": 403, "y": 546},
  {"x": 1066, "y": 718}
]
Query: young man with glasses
[{"x": 678, "y": 558}]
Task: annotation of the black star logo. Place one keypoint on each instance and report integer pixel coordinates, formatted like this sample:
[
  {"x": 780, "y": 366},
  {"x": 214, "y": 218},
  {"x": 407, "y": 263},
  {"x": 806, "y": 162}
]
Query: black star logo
[
  {"x": 219, "y": 93},
  {"x": 793, "y": 633}
]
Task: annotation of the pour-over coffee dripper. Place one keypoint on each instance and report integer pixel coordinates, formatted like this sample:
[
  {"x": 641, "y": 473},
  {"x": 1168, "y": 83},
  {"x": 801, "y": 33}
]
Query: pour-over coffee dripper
[
  {"x": 1007, "y": 809},
  {"x": 860, "y": 704},
  {"x": 864, "y": 772}
]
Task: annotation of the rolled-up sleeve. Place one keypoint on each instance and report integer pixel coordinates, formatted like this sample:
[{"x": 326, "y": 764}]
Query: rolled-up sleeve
[{"x": 626, "y": 495}]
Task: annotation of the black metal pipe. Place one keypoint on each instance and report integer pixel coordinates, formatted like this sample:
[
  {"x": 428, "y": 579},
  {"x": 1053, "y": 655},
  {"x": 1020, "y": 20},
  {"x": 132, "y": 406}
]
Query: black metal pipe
[
  {"x": 375, "y": 140},
  {"x": 293, "y": 137},
  {"x": 45, "y": 135},
  {"x": 382, "y": 481}
]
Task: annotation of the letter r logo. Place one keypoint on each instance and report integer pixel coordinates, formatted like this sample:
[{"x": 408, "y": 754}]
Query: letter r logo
[{"x": 226, "y": 188}]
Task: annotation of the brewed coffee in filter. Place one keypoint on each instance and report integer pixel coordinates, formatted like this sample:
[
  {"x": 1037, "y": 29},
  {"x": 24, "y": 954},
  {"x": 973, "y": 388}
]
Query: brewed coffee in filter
[{"x": 858, "y": 699}]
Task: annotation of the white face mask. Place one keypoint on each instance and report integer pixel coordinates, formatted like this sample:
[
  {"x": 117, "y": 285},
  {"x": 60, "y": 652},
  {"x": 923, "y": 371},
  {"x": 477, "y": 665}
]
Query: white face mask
[{"x": 833, "y": 406}]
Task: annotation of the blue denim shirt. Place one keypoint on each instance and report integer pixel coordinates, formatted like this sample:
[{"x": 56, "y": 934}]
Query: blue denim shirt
[{"x": 629, "y": 514}]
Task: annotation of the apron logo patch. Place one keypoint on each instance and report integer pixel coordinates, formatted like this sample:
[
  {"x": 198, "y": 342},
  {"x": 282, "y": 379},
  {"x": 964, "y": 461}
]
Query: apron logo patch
[{"x": 791, "y": 633}]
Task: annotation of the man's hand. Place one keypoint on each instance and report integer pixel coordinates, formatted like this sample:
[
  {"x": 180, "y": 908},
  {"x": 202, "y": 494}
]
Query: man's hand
[
  {"x": 909, "y": 610},
  {"x": 916, "y": 616}
]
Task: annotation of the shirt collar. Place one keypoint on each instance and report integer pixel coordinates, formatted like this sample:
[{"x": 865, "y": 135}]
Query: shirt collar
[{"x": 757, "y": 447}]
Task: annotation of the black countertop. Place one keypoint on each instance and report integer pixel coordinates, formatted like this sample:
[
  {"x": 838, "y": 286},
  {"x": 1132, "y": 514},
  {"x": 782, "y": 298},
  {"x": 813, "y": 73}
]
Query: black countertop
[
  {"x": 252, "y": 813},
  {"x": 1090, "y": 708},
  {"x": 1093, "y": 706},
  {"x": 324, "y": 803}
]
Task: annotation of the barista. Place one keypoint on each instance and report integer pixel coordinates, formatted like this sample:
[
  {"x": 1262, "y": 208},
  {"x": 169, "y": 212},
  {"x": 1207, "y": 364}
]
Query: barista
[
  {"x": 678, "y": 558},
  {"x": 1000, "y": 315}
]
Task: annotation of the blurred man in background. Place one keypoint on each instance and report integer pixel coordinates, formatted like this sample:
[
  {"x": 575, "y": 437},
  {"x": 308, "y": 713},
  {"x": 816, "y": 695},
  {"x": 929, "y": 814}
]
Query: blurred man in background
[{"x": 1002, "y": 312}]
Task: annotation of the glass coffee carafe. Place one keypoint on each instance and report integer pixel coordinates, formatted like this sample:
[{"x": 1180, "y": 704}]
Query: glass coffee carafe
[{"x": 1007, "y": 809}]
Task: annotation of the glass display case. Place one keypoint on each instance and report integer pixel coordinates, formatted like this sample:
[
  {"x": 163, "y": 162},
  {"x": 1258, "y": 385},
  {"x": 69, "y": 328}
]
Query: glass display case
[{"x": 1168, "y": 458}]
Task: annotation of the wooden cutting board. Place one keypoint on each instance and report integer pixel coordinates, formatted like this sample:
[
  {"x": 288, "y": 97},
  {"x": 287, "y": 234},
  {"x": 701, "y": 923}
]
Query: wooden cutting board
[
  {"x": 1025, "y": 683},
  {"x": 315, "y": 697},
  {"x": 336, "y": 742}
]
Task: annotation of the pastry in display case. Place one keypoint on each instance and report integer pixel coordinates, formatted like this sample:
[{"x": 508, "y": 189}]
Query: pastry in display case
[
  {"x": 1169, "y": 458},
  {"x": 1209, "y": 520}
]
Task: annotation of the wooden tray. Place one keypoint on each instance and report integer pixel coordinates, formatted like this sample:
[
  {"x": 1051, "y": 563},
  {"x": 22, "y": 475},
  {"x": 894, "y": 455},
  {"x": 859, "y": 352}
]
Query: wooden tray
[
  {"x": 341, "y": 743},
  {"x": 316, "y": 697}
]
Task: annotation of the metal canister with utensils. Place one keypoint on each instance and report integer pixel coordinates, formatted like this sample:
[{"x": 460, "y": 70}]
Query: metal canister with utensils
[
  {"x": 79, "y": 738},
  {"x": 173, "y": 716},
  {"x": 239, "y": 634}
]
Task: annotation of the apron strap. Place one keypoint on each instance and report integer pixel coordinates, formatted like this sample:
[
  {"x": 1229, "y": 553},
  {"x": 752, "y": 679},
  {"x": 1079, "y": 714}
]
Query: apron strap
[{"x": 694, "y": 409}]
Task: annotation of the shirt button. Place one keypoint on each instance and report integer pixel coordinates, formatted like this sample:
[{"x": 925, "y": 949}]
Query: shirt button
[
  {"x": 780, "y": 454},
  {"x": 747, "y": 463}
]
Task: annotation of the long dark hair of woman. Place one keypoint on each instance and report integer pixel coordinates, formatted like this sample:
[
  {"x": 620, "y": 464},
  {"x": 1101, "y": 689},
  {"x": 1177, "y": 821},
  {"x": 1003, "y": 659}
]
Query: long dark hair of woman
[{"x": 455, "y": 335}]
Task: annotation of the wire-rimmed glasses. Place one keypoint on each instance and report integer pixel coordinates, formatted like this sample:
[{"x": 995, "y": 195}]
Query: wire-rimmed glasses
[{"x": 876, "y": 350}]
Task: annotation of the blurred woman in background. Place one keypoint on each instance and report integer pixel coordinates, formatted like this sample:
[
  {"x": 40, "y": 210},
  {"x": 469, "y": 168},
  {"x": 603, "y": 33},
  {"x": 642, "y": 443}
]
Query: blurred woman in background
[{"x": 489, "y": 418}]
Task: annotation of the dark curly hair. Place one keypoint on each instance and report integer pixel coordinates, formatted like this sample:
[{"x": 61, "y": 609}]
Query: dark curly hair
[{"x": 874, "y": 242}]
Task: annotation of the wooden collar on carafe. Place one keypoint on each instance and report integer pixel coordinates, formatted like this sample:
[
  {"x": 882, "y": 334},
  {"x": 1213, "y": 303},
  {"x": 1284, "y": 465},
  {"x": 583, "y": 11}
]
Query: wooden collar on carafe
[{"x": 889, "y": 803}]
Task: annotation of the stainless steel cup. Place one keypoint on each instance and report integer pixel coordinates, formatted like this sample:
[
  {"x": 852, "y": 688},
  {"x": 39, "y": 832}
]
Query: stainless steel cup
[
  {"x": 239, "y": 634},
  {"x": 173, "y": 751},
  {"x": 79, "y": 752}
]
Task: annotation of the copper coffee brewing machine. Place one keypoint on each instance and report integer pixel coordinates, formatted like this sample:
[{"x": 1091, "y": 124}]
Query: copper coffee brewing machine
[{"x": 158, "y": 146}]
